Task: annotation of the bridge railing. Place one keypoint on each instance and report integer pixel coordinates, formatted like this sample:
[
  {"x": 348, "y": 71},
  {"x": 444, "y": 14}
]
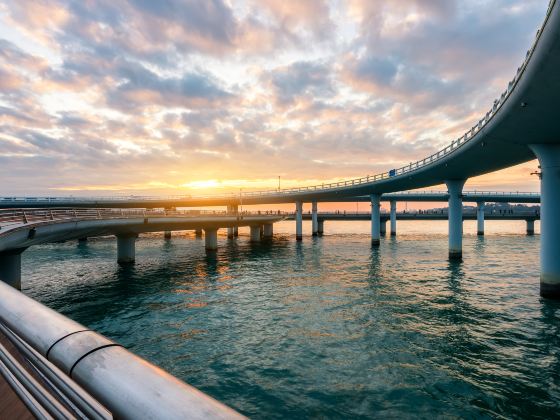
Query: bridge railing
[{"x": 19, "y": 217}]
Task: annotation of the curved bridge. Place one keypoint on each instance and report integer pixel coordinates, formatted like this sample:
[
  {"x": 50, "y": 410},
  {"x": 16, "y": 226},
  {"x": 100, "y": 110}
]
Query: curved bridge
[{"x": 19, "y": 230}]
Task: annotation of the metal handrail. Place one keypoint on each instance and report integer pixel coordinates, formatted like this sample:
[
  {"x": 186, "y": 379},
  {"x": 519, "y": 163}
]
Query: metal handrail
[{"x": 130, "y": 387}]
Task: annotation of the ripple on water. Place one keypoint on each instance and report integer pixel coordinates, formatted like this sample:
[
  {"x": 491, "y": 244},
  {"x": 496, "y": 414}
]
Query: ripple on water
[{"x": 328, "y": 327}]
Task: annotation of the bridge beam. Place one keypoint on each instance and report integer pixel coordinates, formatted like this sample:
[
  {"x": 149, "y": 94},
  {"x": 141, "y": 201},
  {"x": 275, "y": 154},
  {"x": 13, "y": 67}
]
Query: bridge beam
[
  {"x": 549, "y": 159},
  {"x": 455, "y": 216},
  {"x": 375, "y": 219},
  {"x": 211, "y": 239},
  {"x": 268, "y": 231},
  {"x": 393, "y": 218},
  {"x": 480, "y": 218},
  {"x": 299, "y": 220},
  {"x": 126, "y": 248},
  {"x": 10, "y": 267},
  {"x": 314, "y": 223},
  {"x": 256, "y": 233}
]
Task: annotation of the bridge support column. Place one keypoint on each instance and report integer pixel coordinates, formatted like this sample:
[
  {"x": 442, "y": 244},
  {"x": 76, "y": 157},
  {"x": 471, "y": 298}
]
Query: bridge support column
[
  {"x": 211, "y": 239},
  {"x": 198, "y": 233},
  {"x": 455, "y": 216},
  {"x": 255, "y": 233},
  {"x": 383, "y": 227},
  {"x": 268, "y": 231},
  {"x": 549, "y": 159},
  {"x": 375, "y": 219},
  {"x": 126, "y": 248},
  {"x": 231, "y": 211},
  {"x": 167, "y": 234},
  {"x": 480, "y": 218},
  {"x": 10, "y": 267},
  {"x": 299, "y": 220},
  {"x": 320, "y": 227},
  {"x": 314, "y": 224},
  {"x": 235, "y": 231},
  {"x": 393, "y": 218},
  {"x": 530, "y": 227},
  {"x": 230, "y": 232}
]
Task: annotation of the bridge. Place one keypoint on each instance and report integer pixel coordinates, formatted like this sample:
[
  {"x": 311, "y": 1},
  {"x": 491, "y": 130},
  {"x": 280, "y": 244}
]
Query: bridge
[{"x": 21, "y": 229}]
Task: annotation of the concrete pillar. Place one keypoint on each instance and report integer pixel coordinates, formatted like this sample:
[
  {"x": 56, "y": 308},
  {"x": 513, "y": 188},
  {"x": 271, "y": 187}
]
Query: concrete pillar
[
  {"x": 10, "y": 267},
  {"x": 314, "y": 224},
  {"x": 549, "y": 159},
  {"x": 167, "y": 234},
  {"x": 268, "y": 230},
  {"x": 235, "y": 231},
  {"x": 231, "y": 211},
  {"x": 255, "y": 233},
  {"x": 230, "y": 233},
  {"x": 383, "y": 227},
  {"x": 126, "y": 248},
  {"x": 375, "y": 219},
  {"x": 211, "y": 239},
  {"x": 480, "y": 218},
  {"x": 393, "y": 218},
  {"x": 455, "y": 218},
  {"x": 320, "y": 227},
  {"x": 530, "y": 227},
  {"x": 299, "y": 220},
  {"x": 198, "y": 233}
]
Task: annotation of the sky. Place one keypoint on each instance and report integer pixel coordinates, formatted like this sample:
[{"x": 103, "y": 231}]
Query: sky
[{"x": 199, "y": 97}]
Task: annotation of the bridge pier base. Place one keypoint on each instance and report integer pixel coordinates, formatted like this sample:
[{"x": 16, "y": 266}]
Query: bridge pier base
[
  {"x": 230, "y": 232},
  {"x": 455, "y": 216},
  {"x": 375, "y": 220},
  {"x": 314, "y": 224},
  {"x": 480, "y": 218},
  {"x": 393, "y": 217},
  {"x": 10, "y": 267},
  {"x": 320, "y": 227},
  {"x": 211, "y": 239},
  {"x": 549, "y": 160},
  {"x": 268, "y": 231},
  {"x": 167, "y": 234},
  {"x": 255, "y": 233},
  {"x": 530, "y": 227},
  {"x": 299, "y": 220},
  {"x": 198, "y": 233},
  {"x": 126, "y": 248}
]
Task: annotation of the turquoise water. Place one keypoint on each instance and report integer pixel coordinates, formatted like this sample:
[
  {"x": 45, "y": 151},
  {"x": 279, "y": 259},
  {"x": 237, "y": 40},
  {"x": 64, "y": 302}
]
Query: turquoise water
[{"x": 327, "y": 327}]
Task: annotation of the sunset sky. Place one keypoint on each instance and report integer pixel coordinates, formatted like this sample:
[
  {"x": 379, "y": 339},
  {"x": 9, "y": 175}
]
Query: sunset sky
[{"x": 181, "y": 97}]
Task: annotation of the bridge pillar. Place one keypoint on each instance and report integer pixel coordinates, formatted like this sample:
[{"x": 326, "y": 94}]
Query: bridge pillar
[
  {"x": 549, "y": 159},
  {"x": 530, "y": 227},
  {"x": 314, "y": 224},
  {"x": 255, "y": 233},
  {"x": 10, "y": 267},
  {"x": 455, "y": 218},
  {"x": 299, "y": 220},
  {"x": 375, "y": 219},
  {"x": 320, "y": 227},
  {"x": 480, "y": 218},
  {"x": 231, "y": 211},
  {"x": 126, "y": 248},
  {"x": 198, "y": 233},
  {"x": 393, "y": 218},
  {"x": 211, "y": 239},
  {"x": 167, "y": 234},
  {"x": 268, "y": 230},
  {"x": 383, "y": 227},
  {"x": 235, "y": 231}
]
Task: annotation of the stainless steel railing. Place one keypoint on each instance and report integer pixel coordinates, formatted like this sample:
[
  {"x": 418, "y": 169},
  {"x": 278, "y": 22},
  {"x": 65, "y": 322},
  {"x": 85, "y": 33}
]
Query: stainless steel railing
[{"x": 108, "y": 375}]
